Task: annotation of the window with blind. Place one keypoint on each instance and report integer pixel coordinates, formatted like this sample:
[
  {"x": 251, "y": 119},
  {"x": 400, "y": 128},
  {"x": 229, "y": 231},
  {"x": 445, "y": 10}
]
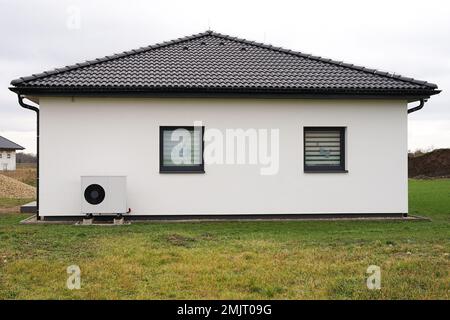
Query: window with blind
[
  {"x": 324, "y": 149},
  {"x": 181, "y": 149}
]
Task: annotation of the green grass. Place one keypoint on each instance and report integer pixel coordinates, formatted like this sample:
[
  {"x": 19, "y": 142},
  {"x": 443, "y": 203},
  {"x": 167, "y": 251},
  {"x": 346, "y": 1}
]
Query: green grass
[
  {"x": 11, "y": 202},
  {"x": 235, "y": 260}
]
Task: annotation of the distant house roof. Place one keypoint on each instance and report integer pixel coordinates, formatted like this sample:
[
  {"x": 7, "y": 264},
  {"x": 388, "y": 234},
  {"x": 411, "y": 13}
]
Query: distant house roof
[
  {"x": 8, "y": 144},
  {"x": 210, "y": 62}
]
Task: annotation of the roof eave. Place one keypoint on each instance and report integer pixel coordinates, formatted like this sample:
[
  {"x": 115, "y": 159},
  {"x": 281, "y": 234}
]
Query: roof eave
[
  {"x": 311, "y": 93},
  {"x": 21, "y": 148}
]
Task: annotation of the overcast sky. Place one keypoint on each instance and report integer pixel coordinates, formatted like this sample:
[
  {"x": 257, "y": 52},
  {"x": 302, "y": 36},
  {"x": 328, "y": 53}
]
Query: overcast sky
[{"x": 411, "y": 38}]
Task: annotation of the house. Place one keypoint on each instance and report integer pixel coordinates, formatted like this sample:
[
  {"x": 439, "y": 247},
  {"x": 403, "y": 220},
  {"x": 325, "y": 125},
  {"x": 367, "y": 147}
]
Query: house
[
  {"x": 8, "y": 154},
  {"x": 216, "y": 126}
]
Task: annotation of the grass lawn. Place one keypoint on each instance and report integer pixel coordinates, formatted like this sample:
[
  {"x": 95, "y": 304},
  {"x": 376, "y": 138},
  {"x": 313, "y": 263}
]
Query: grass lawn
[
  {"x": 234, "y": 260},
  {"x": 6, "y": 203},
  {"x": 12, "y": 205}
]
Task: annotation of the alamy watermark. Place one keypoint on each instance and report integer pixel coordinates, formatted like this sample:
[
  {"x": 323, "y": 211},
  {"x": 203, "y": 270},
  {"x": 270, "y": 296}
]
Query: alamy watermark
[
  {"x": 73, "y": 21},
  {"x": 74, "y": 279},
  {"x": 374, "y": 279},
  {"x": 232, "y": 146}
]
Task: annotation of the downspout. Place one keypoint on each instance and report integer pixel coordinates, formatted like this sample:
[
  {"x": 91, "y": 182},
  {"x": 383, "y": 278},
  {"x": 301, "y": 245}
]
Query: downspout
[
  {"x": 35, "y": 109},
  {"x": 420, "y": 106}
]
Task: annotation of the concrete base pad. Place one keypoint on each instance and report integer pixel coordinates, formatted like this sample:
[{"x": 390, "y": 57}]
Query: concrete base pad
[
  {"x": 111, "y": 221},
  {"x": 29, "y": 207}
]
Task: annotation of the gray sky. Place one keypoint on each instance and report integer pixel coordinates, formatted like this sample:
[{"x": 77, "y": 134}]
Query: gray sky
[{"x": 411, "y": 38}]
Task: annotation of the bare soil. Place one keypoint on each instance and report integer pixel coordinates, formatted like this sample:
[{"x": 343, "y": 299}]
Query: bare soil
[
  {"x": 434, "y": 164},
  {"x": 25, "y": 172},
  {"x": 12, "y": 188}
]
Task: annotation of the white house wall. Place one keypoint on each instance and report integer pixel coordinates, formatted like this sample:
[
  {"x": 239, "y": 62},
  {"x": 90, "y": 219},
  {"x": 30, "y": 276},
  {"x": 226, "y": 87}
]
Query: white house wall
[
  {"x": 99, "y": 136},
  {"x": 8, "y": 164}
]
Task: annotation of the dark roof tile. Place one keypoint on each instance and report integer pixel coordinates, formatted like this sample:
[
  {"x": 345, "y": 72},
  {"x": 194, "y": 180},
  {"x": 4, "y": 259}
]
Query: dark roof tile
[
  {"x": 9, "y": 145},
  {"x": 223, "y": 62}
]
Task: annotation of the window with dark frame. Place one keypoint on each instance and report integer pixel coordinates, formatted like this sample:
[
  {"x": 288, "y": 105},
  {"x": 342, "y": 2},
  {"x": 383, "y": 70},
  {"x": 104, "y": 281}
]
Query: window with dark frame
[
  {"x": 324, "y": 149},
  {"x": 181, "y": 149}
]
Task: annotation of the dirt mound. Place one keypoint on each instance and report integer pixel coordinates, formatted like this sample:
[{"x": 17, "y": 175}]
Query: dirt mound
[
  {"x": 12, "y": 188},
  {"x": 432, "y": 164},
  {"x": 25, "y": 173}
]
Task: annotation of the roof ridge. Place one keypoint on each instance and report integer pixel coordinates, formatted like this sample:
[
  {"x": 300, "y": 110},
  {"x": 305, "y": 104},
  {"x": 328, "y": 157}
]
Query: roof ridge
[
  {"x": 326, "y": 60},
  {"x": 108, "y": 58}
]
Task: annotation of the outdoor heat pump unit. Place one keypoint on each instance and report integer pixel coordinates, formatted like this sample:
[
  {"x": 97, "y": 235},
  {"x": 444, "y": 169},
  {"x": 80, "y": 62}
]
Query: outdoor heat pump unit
[{"x": 103, "y": 195}]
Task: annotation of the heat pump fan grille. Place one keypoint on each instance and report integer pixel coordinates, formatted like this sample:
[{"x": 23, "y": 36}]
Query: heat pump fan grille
[{"x": 94, "y": 194}]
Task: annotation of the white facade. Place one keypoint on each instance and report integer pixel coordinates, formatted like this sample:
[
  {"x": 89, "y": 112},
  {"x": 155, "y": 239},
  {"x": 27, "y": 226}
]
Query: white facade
[
  {"x": 7, "y": 160},
  {"x": 120, "y": 137}
]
